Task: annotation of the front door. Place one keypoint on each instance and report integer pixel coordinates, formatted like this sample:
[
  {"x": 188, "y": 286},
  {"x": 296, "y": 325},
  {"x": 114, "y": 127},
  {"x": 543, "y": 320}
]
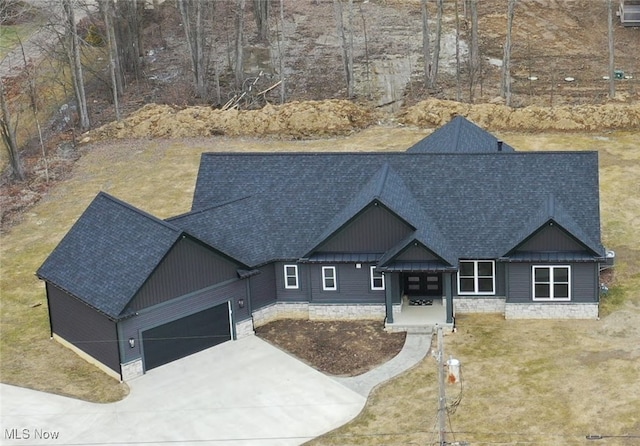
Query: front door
[{"x": 423, "y": 284}]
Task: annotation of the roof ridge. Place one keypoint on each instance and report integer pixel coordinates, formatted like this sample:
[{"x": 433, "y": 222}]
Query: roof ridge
[
  {"x": 208, "y": 208},
  {"x": 384, "y": 172},
  {"x": 137, "y": 211}
]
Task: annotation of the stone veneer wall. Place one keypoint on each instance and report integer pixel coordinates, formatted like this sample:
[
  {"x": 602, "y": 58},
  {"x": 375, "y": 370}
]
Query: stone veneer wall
[
  {"x": 549, "y": 310},
  {"x": 131, "y": 370},
  {"x": 464, "y": 304},
  {"x": 244, "y": 329},
  {"x": 347, "y": 312},
  {"x": 280, "y": 310}
]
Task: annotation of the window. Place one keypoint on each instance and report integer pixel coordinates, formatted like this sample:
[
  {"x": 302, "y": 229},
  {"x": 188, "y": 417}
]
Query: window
[
  {"x": 552, "y": 283},
  {"x": 329, "y": 278},
  {"x": 477, "y": 277},
  {"x": 291, "y": 277},
  {"x": 377, "y": 279}
]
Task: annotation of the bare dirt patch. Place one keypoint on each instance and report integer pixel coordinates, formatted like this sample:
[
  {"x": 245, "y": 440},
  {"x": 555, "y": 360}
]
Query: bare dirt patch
[{"x": 346, "y": 348}]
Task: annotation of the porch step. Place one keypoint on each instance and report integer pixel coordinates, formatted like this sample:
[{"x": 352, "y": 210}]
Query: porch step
[{"x": 410, "y": 328}]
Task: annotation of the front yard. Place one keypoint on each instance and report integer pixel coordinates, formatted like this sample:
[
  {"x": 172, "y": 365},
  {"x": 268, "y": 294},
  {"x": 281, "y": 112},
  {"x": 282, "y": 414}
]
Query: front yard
[{"x": 536, "y": 382}]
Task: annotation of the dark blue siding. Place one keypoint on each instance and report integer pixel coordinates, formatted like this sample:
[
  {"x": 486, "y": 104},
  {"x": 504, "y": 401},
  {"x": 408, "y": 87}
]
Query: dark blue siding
[
  {"x": 84, "y": 327},
  {"x": 375, "y": 230},
  {"x": 263, "y": 287},
  {"x": 302, "y": 294},
  {"x": 583, "y": 282},
  {"x": 550, "y": 239},
  {"x": 354, "y": 285},
  {"x": 179, "y": 308},
  {"x": 188, "y": 267}
]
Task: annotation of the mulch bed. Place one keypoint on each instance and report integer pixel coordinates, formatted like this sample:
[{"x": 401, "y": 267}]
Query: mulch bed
[{"x": 343, "y": 348}]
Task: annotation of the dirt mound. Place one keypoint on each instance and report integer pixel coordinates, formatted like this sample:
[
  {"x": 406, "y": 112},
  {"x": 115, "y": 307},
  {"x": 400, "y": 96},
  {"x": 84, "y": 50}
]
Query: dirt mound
[
  {"x": 435, "y": 112},
  {"x": 291, "y": 120}
]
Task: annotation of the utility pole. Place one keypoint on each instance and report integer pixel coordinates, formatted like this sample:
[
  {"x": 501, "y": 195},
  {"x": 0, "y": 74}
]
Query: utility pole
[{"x": 442, "y": 404}]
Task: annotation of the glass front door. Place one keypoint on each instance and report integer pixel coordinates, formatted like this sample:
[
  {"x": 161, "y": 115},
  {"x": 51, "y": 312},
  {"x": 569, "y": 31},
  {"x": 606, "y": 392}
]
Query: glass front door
[{"x": 423, "y": 284}]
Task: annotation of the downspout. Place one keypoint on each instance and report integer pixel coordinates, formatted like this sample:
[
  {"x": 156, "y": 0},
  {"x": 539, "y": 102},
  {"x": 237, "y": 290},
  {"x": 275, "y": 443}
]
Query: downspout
[{"x": 119, "y": 344}]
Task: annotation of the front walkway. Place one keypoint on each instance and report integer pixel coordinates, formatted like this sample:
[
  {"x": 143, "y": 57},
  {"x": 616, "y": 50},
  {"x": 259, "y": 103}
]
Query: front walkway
[{"x": 416, "y": 347}]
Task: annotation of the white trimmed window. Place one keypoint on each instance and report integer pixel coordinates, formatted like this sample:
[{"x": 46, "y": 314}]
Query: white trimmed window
[
  {"x": 551, "y": 282},
  {"x": 477, "y": 277},
  {"x": 291, "y": 277},
  {"x": 329, "y": 282},
  {"x": 377, "y": 279}
]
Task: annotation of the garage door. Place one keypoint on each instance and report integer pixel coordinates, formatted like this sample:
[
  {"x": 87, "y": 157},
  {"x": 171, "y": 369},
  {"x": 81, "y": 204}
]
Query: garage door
[{"x": 185, "y": 336}]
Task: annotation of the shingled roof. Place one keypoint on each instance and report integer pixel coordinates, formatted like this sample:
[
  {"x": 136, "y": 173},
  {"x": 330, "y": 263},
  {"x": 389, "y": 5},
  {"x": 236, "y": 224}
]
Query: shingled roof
[
  {"x": 108, "y": 254},
  {"x": 460, "y": 136},
  {"x": 472, "y": 201}
]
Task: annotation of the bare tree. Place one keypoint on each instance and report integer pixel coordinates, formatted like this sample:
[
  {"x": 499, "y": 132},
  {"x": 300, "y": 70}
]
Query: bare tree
[
  {"x": 506, "y": 60},
  {"x": 73, "y": 54},
  {"x": 426, "y": 44},
  {"x": 347, "y": 50},
  {"x": 9, "y": 137},
  {"x": 239, "y": 62},
  {"x": 474, "y": 52},
  {"x": 261, "y": 13},
  {"x": 281, "y": 42},
  {"x": 114, "y": 64},
  {"x": 32, "y": 91},
  {"x": 436, "y": 50},
  {"x": 612, "y": 85},
  {"x": 194, "y": 14},
  {"x": 458, "y": 91}
]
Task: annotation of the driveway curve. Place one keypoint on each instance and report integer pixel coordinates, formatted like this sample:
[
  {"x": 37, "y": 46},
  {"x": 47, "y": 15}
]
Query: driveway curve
[{"x": 241, "y": 392}]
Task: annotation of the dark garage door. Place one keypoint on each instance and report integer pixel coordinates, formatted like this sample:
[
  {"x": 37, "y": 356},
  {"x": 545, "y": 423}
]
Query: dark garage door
[{"x": 183, "y": 337}]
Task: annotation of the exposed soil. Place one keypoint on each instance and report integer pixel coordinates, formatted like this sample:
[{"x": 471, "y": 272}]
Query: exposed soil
[{"x": 345, "y": 348}]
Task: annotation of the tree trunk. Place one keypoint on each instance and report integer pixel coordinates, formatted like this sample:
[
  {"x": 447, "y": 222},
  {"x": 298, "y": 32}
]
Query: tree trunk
[
  {"x": 116, "y": 87},
  {"x": 9, "y": 138},
  {"x": 281, "y": 44},
  {"x": 76, "y": 64},
  {"x": 458, "y": 88},
  {"x": 612, "y": 85},
  {"x": 474, "y": 52},
  {"x": 337, "y": 5},
  {"x": 261, "y": 13},
  {"x": 426, "y": 44},
  {"x": 239, "y": 65},
  {"x": 351, "y": 88},
  {"x": 506, "y": 60},
  {"x": 436, "y": 50}
]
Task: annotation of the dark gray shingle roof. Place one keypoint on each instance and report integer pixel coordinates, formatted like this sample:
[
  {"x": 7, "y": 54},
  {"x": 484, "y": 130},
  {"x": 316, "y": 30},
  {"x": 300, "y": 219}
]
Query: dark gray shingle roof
[
  {"x": 472, "y": 202},
  {"x": 459, "y": 136},
  {"x": 108, "y": 254}
]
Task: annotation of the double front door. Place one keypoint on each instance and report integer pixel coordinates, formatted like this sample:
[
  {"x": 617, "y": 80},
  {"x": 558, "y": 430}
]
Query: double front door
[{"x": 423, "y": 284}]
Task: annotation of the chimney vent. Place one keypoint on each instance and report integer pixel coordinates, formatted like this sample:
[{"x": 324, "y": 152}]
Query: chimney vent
[{"x": 499, "y": 146}]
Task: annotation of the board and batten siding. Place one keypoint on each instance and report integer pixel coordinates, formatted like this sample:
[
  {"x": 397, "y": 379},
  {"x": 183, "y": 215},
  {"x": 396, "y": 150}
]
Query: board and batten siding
[
  {"x": 263, "y": 287},
  {"x": 188, "y": 267},
  {"x": 550, "y": 239},
  {"x": 584, "y": 277},
  {"x": 415, "y": 254},
  {"x": 354, "y": 285},
  {"x": 376, "y": 229},
  {"x": 177, "y": 309},
  {"x": 85, "y": 328}
]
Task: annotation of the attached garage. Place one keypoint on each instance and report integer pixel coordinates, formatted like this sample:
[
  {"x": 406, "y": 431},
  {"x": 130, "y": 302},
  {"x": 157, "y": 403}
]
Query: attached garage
[
  {"x": 146, "y": 293},
  {"x": 186, "y": 336}
]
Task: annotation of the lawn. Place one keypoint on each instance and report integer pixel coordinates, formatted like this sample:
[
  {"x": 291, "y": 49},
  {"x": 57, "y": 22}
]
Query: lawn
[{"x": 541, "y": 382}]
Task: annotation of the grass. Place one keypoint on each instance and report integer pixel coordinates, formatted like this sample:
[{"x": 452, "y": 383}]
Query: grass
[{"x": 546, "y": 382}]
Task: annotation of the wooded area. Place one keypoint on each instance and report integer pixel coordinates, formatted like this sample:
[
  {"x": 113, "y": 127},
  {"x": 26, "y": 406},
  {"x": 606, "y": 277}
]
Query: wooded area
[{"x": 239, "y": 54}]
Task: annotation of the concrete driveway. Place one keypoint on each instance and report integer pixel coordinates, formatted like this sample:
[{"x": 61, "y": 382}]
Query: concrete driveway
[{"x": 241, "y": 392}]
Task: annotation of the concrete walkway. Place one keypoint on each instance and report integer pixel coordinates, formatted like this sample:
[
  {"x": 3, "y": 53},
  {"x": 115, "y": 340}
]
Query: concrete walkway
[{"x": 416, "y": 346}]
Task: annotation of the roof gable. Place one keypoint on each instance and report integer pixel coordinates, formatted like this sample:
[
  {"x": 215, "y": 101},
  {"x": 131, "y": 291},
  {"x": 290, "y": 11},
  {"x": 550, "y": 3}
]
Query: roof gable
[
  {"x": 108, "y": 254},
  {"x": 551, "y": 212},
  {"x": 460, "y": 136}
]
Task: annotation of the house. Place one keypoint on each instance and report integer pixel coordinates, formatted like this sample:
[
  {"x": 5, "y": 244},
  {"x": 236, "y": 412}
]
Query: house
[
  {"x": 413, "y": 237},
  {"x": 629, "y": 12}
]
